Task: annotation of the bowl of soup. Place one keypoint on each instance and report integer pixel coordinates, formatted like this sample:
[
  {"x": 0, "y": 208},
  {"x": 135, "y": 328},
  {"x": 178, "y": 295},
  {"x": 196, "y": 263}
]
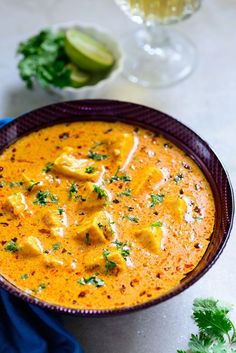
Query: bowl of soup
[{"x": 107, "y": 207}]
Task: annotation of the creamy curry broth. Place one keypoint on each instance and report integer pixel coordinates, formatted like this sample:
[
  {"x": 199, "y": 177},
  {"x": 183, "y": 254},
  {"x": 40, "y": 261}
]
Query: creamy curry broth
[{"x": 100, "y": 215}]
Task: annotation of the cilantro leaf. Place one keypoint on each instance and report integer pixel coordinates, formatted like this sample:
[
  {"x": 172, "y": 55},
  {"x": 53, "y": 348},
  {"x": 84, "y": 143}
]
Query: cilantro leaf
[
  {"x": 40, "y": 288},
  {"x": 24, "y": 276},
  {"x": 127, "y": 192},
  {"x": 178, "y": 178},
  {"x": 90, "y": 170},
  {"x": 124, "y": 178},
  {"x": 11, "y": 246},
  {"x": 32, "y": 185},
  {"x": 41, "y": 198},
  {"x": 94, "y": 280},
  {"x": 157, "y": 224},
  {"x": 48, "y": 167},
  {"x": 100, "y": 192},
  {"x": 109, "y": 265},
  {"x": 156, "y": 198},
  {"x": 132, "y": 218},
  {"x": 198, "y": 344},
  {"x": 60, "y": 210},
  {"x": 72, "y": 190},
  {"x": 56, "y": 246},
  {"x": 213, "y": 323},
  {"x": 96, "y": 156},
  {"x": 123, "y": 247}
]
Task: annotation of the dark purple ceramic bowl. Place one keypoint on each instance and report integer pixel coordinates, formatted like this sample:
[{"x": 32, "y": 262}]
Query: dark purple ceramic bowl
[{"x": 182, "y": 136}]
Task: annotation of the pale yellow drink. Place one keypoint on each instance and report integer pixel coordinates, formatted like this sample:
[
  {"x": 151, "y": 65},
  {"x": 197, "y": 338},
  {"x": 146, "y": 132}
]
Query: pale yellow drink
[{"x": 160, "y": 10}]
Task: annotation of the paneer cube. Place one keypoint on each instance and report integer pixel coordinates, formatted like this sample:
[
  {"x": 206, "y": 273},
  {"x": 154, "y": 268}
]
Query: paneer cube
[
  {"x": 112, "y": 263},
  {"x": 57, "y": 231},
  {"x": 147, "y": 178},
  {"x": 56, "y": 222},
  {"x": 117, "y": 258},
  {"x": 150, "y": 238},
  {"x": 95, "y": 229},
  {"x": 176, "y": 207},
  {"x": 93, "y": 196},
  {"x": 122, "y": 149},
  {"x": 52, "y": 261},
  {"x": 82, "y": 169},
  {"x": 16, "y": 204},
  {"x": 31, "y": 246},
  {"x": 54, "y": 219}
]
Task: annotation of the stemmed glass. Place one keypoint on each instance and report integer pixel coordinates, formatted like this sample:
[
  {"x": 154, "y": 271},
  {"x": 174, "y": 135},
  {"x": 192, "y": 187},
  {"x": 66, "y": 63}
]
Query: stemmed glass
[{"x": 156, "y": 56}]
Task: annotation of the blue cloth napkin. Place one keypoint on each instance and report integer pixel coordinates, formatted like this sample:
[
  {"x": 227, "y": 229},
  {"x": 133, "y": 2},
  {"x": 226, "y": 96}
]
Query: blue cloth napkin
[{"x": 26, "y": 328}]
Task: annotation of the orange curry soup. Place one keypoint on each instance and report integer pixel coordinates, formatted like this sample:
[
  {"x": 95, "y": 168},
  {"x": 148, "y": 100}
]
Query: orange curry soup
[{"x": 99, "y": 215}]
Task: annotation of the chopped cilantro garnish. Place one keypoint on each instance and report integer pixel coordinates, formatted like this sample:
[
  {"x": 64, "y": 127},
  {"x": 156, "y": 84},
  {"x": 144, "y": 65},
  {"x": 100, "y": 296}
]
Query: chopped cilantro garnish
[
  {"x": 48, "y": 167},
  {"x": 53, "y": 198},
  {"x": 60, "y": 210},
  {"x": 131, "y": 218},
  {"x": 109, "y": 265},
  {"x": 24, "y": 276},
  {"x": 97, "y": 144},
  {"x": 41, "y": 198},
  {"x": 157, "y": 224},
  {"x": 156, "y": 198},
  {"x": 198, "y": 218},
  {"x": 127, "y": 192},
  {"x": 40, "y": 287},
  {"x": 19, "y": 184},
  {"x": 90, "y": 170},
  {"x": 86, "y": 239},
  {"x": 124, "y": 178},
  {"x": 123, "y": 247},
  {"x": 32, "y": 185},
  {"x": 72, "y": 190},
  {"x": 56, "y": 246},
  {"x": 11, "y": 246},
  {"x": 178, "y": 178},
  {"x": 93, "y": 280},
  {"x": 100, "y": 192},
  {"x": 96, "y": 156}
]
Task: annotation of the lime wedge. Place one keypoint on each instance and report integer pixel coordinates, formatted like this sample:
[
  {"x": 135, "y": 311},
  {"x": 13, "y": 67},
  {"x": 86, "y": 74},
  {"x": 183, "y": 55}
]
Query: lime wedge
[
  {"x": 86, "y": 52},
  {"x": 78, "y": 77}
]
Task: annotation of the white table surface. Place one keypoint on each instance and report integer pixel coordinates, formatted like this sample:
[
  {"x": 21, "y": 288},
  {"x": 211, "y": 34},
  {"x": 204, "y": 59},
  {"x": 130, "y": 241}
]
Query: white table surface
[{"x": 206, "y": 101}]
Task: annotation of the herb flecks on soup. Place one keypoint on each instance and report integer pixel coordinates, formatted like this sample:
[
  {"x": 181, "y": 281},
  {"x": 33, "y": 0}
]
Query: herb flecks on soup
[{"x": 99, "y": 215}]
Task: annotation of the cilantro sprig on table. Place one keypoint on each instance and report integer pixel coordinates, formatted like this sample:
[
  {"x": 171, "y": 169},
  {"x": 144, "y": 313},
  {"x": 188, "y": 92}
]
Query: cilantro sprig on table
[
  {"x": 44, "y": 59},
  {"x": 216, "y": 331}
]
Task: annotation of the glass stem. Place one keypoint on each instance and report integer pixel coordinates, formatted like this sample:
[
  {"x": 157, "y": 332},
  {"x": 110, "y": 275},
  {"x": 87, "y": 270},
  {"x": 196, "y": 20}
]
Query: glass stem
[{"x": 156, "y": 38}]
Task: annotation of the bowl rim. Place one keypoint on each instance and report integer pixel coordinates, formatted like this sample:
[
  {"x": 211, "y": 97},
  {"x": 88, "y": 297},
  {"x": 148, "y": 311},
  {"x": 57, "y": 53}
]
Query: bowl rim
[
  {"x": 114, "y": 72},
  {"x": 93, "y": 109}
]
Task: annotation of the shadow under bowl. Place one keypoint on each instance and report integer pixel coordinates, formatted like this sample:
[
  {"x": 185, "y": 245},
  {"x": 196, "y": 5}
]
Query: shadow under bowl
[{"x": 179, "y": 134}]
